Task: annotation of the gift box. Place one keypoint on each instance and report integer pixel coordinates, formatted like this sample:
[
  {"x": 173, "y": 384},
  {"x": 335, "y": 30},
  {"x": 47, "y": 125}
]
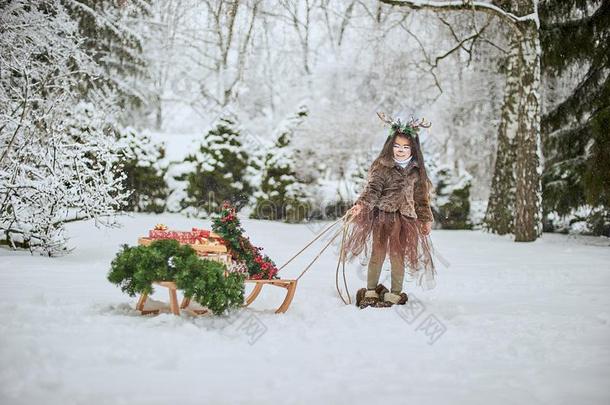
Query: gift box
[
  {"x": 202, "y": 233},
  {"x": 206, "y": 234},
  {"x": 180, "y": 236},
  {"x": 202, "y": 249},
  {"x": 202, "y": 240}
]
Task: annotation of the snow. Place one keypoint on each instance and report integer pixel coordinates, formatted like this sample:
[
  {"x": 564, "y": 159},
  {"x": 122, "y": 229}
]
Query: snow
[{"x": 519, "y": 323}]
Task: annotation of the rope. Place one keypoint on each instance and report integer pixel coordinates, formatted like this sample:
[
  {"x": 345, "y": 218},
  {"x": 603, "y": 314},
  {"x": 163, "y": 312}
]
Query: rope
[
  {"x": 312, "y": 241},
  {"x": 320, "y": 253},
  {"x": 339, "y": 262},
  {"x": 347, "y": 218}
]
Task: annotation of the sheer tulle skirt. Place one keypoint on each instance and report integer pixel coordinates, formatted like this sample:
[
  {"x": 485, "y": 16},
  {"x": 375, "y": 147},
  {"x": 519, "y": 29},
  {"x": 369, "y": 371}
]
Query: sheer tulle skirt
[{"x": 399, "y": 235}]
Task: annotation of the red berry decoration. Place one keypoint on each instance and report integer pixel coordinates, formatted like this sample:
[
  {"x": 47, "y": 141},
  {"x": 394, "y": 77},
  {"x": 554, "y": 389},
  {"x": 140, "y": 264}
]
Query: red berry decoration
[{"x": 227, "y": 225}]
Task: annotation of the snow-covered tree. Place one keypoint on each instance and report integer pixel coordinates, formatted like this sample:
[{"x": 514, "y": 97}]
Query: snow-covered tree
[
  {"x": 112, "y": 40},
  {"x": 219, "y": 168},
  {"x": 58, "y": 152},
  {"x": 167, "y": 47},
  {"x": 282, "y": 195},
  {"x": 144, "y": 175},
  {"x": 452, "y": 197},
  {"x": 359, "y": 172},
  {"x": 222, "y": 49}
]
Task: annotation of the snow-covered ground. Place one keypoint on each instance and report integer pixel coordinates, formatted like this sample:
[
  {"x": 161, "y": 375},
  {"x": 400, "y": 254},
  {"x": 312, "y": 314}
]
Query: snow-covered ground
[{"x": 508, "y": 323}]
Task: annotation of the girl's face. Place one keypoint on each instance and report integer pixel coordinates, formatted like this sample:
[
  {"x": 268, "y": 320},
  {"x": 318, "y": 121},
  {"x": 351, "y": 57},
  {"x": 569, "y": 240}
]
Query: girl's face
[{"x": 402, "y": 148}]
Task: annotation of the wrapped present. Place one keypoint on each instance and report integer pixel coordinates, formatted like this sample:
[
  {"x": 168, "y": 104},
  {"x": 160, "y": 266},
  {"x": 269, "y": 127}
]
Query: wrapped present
[
  {"x": 180, "y": 236},
  {"x": 204, "y": 233},
  {"x": 202, "y": 240},
  {"x": 163, "y": 234},
  {"x": 201, "y": 233},
  {"x": 200, "y": 248}
]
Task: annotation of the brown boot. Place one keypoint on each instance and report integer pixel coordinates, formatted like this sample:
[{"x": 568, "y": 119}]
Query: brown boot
[
  {"x": 366, "y": 298},
  {"x": 381, "y": 290},
  {"x": 390, "y": 299},
  {"x": 360, "y": 295}
]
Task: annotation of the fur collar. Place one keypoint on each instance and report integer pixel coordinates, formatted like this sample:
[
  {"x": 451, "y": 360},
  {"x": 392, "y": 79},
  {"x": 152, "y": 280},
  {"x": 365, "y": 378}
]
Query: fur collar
[{"x": 391, "y": 163}]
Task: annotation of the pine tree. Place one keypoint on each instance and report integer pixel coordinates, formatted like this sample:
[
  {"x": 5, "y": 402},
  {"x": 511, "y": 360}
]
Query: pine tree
[
  {"x": 114, "y": 44},
  {"x": 144, "y": 178},
  {"x": 282, "y": 195},
  {"x": 452, "y": 198},
  {"x": 219, "y": 170},
  {"x": 576, "y": 132}
]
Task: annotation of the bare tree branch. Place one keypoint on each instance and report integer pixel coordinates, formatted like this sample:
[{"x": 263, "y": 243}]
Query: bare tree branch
[{"x": 479, "y": 6}]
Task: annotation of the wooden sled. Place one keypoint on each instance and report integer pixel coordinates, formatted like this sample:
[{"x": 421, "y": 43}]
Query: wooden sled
[
  {"x": 217, "y": 253},
  {"x": 289, "y": 285}
]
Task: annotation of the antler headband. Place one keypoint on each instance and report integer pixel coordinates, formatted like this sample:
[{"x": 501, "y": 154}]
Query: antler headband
[{"x": 410, "y": 128}]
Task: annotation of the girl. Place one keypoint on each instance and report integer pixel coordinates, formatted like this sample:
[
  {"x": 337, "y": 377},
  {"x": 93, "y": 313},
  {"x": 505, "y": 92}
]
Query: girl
[{"x": 393, "y": 214}]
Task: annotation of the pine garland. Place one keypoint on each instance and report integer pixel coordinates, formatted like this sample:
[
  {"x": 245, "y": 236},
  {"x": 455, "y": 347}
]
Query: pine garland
[
  {"x": 228, "y": 226},
  {"x": 206, "y": 281},
  {"x": 410, "y": 128}
]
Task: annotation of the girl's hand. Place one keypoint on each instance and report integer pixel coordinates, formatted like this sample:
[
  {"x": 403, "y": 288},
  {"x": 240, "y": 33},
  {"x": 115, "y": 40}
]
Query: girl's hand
[
  {"x": 355, "y": 210},
  {"x": 426, "y": 227}
]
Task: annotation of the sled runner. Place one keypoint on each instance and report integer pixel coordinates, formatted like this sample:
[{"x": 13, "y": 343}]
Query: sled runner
[
  {"x": 289, "y": 285},
  {"x": 173, "y": 301}
]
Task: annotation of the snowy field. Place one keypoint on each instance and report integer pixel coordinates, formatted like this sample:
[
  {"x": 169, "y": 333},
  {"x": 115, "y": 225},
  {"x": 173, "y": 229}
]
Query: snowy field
[{"x": 508, "y": 323}]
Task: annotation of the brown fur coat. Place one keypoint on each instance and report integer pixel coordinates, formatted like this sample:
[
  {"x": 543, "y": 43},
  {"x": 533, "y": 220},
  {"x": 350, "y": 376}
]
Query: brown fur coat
[{"x": 391, "y": 188}]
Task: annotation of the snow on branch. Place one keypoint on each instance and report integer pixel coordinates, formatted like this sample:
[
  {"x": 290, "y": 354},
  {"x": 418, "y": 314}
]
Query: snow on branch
[
  {"x": 465, "y": 5},
  {"x": 58, "y": 154}
]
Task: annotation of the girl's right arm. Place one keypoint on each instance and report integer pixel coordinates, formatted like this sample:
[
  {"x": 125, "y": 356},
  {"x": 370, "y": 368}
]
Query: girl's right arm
[{"x": 371, "y": 192}]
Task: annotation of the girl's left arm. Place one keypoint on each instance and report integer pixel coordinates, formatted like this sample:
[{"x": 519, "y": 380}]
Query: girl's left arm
[{"x": 421, "y": 198}]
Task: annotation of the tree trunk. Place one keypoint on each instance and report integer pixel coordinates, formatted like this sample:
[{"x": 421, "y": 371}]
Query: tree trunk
[
  {"x": 528, "y": 204},
  {"x": 515, "y": 203},
  {"x": 499, "y": 216},
  {"x": 159, "y": 115}
]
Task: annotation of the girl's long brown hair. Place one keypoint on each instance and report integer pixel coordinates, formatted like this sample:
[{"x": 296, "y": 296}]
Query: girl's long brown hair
[{"x": 387, "y": 156}]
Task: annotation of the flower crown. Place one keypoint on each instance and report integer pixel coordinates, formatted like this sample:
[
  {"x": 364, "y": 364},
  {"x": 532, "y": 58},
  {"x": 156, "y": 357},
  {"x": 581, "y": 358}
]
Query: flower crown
[{"x": 410, "y": 128}]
